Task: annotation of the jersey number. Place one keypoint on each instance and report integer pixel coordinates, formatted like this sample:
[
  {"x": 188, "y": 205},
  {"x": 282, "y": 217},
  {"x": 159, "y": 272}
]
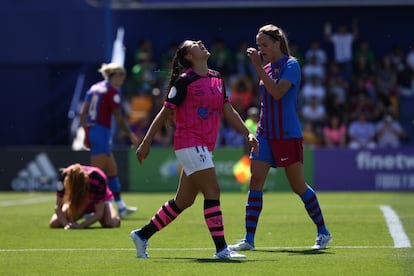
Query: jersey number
[{"x": 93, "y": 110}]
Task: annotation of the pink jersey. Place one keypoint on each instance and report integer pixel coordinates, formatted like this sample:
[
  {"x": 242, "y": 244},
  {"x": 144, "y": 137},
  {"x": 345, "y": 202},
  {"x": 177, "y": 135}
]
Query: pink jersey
[
  {"x": 98, "y": 189},
  {"x": 102, "y": 98},
  {"x": 198, "y": 101}
]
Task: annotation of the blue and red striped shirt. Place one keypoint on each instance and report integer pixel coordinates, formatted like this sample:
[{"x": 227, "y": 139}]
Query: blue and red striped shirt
[
  {"x": 279, "y": 118},
  {"x": 102, "y": 98}
]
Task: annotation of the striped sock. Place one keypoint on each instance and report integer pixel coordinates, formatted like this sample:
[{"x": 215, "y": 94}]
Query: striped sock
[
  {"x": 165, "y": 215},
  {"x": 315, "y": 213},
  {"x": 214, "y": 221},
  {"x": 253, "y": 209}
]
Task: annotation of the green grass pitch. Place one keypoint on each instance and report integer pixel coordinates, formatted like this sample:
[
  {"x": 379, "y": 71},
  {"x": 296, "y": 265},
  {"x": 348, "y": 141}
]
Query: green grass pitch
[{"x": 362, "y": 244}]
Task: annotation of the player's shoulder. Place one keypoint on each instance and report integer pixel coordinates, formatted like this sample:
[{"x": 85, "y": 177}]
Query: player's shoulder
[
  {"x": 99, "y": 87},
  {"x": 214, "y": 73}
]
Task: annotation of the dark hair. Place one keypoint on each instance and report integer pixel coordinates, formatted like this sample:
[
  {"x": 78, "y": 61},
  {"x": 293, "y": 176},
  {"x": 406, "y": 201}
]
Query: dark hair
[
  {"x": 277, "y": 34},
  {"x": 178, "y": 62}
]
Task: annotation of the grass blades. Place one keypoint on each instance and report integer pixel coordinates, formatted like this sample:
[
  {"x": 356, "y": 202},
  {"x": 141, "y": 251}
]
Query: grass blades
[{"x": 362, "y": 244}]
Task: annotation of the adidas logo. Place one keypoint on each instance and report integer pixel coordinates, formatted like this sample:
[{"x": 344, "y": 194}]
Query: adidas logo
[{"x": 38, "y": 175}]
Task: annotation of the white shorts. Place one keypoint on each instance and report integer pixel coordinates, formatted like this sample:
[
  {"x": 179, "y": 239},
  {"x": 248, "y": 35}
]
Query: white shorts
[{"x": 195, "y": 159}]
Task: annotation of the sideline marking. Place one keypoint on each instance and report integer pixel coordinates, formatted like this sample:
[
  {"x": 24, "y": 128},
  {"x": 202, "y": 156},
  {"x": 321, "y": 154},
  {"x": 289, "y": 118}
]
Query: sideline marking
[
  {"x": 395, "y": 227},
  {"x": 26, "y": 201},
  {"x": 178, "y": 249}
]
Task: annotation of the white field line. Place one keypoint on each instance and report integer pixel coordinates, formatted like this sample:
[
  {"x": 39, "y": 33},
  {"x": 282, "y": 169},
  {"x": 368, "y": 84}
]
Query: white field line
[
  {"x": 26, "y": 201},
  {"x": 179, "y": 249},
  {"x": 395, "y": 227}
]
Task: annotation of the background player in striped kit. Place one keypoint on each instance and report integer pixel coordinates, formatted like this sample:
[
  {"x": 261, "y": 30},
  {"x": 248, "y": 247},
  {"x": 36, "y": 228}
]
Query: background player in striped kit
[
  {"x": 102, "y": 101},
  {"x": 197, "y": 97},
  {"x": 279, "y": 133}
]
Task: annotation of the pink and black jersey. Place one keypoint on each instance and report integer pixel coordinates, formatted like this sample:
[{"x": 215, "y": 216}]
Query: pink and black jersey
[
  {"x": 279, "y": 118},
  {"x": 98, "y": 189},
  {"x": 198, "y": 101},
  {"x": 102, "y": 98}
]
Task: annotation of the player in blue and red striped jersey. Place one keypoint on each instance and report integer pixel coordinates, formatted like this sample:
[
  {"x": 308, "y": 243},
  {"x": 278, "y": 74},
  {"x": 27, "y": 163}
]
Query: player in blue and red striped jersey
[
  {"x": 198, "y": 98},
  {"x": 279, "y": 133},
  {"x": 83, "y": 190},
  {"x": 102, "y": 101}
]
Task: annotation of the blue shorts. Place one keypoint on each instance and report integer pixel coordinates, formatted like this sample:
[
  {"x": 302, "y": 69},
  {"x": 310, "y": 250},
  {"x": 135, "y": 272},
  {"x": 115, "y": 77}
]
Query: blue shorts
[
  {"x": 100, "y": 140},
  {"x": 279, "y": 152}
]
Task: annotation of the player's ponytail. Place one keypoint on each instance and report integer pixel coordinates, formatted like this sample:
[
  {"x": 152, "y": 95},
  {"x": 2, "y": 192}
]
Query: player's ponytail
[{"x": 179, "y": 63}]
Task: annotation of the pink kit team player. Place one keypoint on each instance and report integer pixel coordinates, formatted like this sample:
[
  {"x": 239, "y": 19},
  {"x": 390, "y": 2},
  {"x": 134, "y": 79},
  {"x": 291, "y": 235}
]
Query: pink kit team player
[
  {"x": 198, "y": 98},
  {"x": 83, "y": 190}
]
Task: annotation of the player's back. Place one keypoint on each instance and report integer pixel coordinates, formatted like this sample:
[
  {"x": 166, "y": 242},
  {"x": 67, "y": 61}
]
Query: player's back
[{"x": 102, "y": 99}]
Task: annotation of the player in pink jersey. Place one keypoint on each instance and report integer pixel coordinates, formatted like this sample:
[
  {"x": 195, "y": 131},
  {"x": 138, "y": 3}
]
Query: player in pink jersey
[
  {"x": 198, "y": 98},
  {"x": 83, "y": 190},
  {"x": 102, "y": 101},
  {"x": 279, "y": 133}
]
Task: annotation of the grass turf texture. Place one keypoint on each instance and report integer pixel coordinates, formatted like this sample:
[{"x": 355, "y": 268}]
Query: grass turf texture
[{"x": 361, "y": 243}]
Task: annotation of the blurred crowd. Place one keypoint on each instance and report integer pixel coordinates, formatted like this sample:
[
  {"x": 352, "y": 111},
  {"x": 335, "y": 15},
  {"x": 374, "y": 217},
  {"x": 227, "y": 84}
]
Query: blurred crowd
[{"x": 347, "y": 100}]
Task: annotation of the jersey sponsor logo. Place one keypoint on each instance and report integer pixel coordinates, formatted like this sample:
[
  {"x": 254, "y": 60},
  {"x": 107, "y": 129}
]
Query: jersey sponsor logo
[
  {"x": 220, "y": 88},
  {"x": 172, "y": 93},
  {"x": 284, "y": 159},
  {"x": 203, "y": 112}
]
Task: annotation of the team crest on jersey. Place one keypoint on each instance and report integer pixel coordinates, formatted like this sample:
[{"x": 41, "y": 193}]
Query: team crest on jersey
[
  {"x": 172, "y": 93},
  {"x": 276, "y": 71},
  {"x": 117, "y": 98}
]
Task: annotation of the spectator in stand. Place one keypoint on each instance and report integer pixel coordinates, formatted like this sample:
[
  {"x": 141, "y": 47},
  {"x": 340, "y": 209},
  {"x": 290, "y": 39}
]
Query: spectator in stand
[
  {"x": 397, "y": 57},
  {"x": 221, "y": 58},
  {"x": 365, "y": 51},
  {"x": 83, "y": 192},
  {"x": 410, "y": 57},
  {"x": 315, "y": 51},
  {"x": 342, "y": 41},
  {"x": 386, "y": 77},
  {"x": 361, "y": 103},
  {"x": 313, "y": 89},
  {"x": 335, "y": 83},
  {"x": 295, "y": 51},
  {"x": 244, "y": 67},
  {"x": 361, "y": 133},
  {"x": 334, "y": 133},
  {"x": 314, "y": 111},
  {"x": 143, "y": 74},
  {"x": 389, "y": 132},
  {"x": 313, "y": 69},
  {"x": 334, "y": 107},
  {"x": 311, "y": 139}
]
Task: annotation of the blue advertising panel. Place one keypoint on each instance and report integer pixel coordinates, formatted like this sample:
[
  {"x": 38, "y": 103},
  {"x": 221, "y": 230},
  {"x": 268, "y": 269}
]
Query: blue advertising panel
[{"x": 365, "y": 170}]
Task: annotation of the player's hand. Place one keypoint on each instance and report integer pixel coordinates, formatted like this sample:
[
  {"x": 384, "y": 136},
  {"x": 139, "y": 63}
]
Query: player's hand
[
  {"x": 254, "y": 56},
  {"x": 253, "y": 143},
  {"x": 142, "y": 151},
  {"x": 134, "y": 140}
]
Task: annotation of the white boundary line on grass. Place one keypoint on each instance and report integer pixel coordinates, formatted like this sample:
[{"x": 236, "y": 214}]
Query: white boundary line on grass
[
  {"x": 395, "y": 227},
  {"x": 179, "y": 249},
  {"x": 26, "y": 201}
]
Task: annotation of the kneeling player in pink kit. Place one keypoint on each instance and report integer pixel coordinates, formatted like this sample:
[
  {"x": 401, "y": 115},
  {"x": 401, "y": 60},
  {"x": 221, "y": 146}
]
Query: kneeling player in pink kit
[
  {"x": 83, "y": 190},
  {"x": 198, "y": 98}
]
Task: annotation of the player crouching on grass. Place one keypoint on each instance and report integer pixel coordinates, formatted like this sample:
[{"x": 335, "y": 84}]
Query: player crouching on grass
[{"x": 83, "y": 190}]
